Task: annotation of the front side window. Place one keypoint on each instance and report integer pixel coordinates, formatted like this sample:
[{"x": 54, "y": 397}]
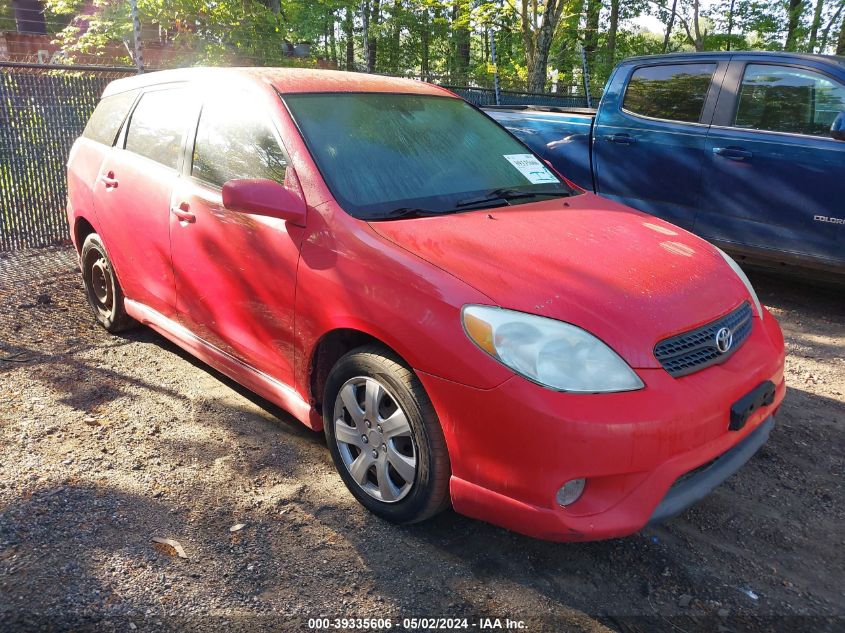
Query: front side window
[
  {"x": 108, "y": 116},
  {"x": 382, "y": 153},
  {"x": 784, "y": 99},
  {"x": 235, "y": 140},
  {"x": 157, "y": 125},
  {"x": 675, "y": 92}
]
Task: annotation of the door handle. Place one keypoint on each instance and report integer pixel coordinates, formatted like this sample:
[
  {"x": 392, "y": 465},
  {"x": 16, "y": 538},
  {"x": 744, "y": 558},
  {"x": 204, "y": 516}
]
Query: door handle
[
  {"x": 109, "y": 180},
  {"x": 182, "y": 212},
  {"x": 621, "y": 139},
  {"x": 732, "y": 153}
]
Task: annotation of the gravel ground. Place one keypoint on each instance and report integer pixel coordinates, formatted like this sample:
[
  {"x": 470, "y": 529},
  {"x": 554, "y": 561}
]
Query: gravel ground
[{"x": 108, "y": 442}]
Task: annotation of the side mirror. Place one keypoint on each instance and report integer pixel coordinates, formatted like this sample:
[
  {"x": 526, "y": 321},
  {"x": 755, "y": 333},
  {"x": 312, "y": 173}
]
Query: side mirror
[
  {"x": 261, "y": 196},
  {"x": 837, "y": 128}
]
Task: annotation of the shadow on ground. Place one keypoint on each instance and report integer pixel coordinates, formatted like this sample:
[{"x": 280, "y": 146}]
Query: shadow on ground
[{"x": 109, "y": 441}]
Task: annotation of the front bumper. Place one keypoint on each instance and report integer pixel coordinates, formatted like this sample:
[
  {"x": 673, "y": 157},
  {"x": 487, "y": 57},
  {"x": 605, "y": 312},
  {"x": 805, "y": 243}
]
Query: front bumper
[
  {"x": 693, "y": 488},
  {"x": 512, "y": 447}
]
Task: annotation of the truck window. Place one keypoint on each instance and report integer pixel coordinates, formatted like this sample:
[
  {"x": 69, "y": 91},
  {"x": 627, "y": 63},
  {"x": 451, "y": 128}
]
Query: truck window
[
  {"x": 785, "y": 99},
  {"x": 157, "y": 125},
  {"x": 235, "y": 140},
  {"x": 675, "y": 92},
  {"x": 108, "y": 116}
]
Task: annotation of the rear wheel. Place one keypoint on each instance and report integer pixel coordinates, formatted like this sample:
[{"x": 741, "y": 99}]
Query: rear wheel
[
  {"x": 384, "y": 436},
  {"x": 102, "y": 289}
]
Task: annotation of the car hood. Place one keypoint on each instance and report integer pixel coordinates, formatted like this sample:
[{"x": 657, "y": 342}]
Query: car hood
[{"x": 626, "y": 277}]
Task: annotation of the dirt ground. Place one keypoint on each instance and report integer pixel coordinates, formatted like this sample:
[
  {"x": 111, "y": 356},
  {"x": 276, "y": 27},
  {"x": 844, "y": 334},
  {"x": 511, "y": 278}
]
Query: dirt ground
[{"x": 108, "y": 442}]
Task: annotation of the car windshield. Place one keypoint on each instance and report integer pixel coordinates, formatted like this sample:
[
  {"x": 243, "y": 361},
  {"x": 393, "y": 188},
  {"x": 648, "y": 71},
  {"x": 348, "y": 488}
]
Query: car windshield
[{"x": 388, "y": 156}]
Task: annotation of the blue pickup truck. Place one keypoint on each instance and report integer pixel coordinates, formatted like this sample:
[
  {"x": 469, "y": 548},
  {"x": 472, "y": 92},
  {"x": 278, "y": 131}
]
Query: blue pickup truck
[{"x": 747, "y": 149}]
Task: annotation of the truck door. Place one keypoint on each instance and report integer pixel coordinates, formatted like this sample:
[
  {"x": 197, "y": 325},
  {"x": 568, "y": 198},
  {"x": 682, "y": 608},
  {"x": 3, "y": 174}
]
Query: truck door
[
  {"x": 772, "y": 178},
  {"x": 649, "y": 135}
]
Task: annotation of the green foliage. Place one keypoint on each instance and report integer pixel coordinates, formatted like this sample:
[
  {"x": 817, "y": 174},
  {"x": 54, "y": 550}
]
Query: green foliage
[
  {"x": 199, "y": 32},
  {"x": 444, "y": 40},
  {"x": 6, "y": 14}
]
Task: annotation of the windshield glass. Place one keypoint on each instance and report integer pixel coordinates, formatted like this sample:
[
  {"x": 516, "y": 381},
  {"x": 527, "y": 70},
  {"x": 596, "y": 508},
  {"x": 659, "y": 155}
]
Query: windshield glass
[{"x": 385, "y": 154}]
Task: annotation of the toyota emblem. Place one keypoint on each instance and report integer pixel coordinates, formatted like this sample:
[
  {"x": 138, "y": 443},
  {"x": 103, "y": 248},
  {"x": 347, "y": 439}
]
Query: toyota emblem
[{"x": 724, "y": 340}]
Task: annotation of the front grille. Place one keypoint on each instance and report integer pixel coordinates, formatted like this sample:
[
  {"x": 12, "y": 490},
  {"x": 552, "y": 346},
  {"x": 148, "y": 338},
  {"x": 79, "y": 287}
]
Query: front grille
[{"x": 688, "y": 352}]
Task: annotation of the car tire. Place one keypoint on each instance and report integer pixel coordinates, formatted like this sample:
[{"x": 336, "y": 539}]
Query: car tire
[
  {"x": 390, "y": 450},
  {"x": 102, "y": 289}
]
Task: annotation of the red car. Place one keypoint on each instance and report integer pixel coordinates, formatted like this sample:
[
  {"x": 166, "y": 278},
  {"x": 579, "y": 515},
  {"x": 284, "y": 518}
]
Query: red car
[{"x": 388, "y": 264}]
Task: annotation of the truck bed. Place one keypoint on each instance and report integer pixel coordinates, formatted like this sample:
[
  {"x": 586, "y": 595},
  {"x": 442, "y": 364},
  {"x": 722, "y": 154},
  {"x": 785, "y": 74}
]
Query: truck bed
[
  {"x": 560, "y": 135},
  {"x": 542, "y": 108}
]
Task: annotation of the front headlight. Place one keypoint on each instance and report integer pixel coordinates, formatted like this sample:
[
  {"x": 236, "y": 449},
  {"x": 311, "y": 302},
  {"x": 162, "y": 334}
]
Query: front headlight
[
  {"x": 552, "y": 353},
  {"x": 758, "y": 309}
]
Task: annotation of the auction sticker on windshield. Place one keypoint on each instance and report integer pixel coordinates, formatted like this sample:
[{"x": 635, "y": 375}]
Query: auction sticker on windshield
[{"x": 531, "y": 168}]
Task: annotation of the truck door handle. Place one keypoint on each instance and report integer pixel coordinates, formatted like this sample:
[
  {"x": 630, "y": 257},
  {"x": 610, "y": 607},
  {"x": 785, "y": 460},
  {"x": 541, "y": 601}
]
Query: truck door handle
[
  {"x": 732, "y": 153},
  {"x": 183, "y": 213},
  {"x": 109, "y": 180},
  {"x": 621, "y": 139}
]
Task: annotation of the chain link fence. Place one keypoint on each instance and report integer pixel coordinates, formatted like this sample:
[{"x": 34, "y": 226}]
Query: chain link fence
[
  {"x": 43, "y": 109},
  {"x": 487, "y": 96}
]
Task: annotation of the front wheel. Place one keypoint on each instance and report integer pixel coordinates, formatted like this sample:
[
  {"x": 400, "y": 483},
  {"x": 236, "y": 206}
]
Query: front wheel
[{"x": 384, "y": 436}]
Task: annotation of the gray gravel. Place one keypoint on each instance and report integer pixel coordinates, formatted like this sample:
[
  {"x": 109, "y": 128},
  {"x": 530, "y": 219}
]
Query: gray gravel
[{"x": 108, "y": 442}]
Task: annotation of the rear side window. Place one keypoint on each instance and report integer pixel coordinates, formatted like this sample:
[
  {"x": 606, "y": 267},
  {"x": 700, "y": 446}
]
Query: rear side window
[
  {"x": 785, "y": 99},
  {"x": 235, "y": 140},
  {"x": 108, "y": 116},
  {"x": 670, "y": 91},
  {"x": 157, "y": 125}
]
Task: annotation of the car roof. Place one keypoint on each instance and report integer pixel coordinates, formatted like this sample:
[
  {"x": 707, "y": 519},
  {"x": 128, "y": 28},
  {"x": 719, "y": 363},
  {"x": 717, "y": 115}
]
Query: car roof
[
  {"x": 689, "y": 55},
  {"x": 285, "y": 80}
]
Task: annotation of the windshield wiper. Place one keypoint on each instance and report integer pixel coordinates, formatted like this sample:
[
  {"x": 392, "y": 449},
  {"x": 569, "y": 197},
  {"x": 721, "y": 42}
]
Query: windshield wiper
[
  {"x": 405, "y": 213},
  {"x": 512, "y": 194},
  {"x": 494, "y": 198}
]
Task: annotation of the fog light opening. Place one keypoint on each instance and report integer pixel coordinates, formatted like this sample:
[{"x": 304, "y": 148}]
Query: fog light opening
[{"x": 570, "y": 492}]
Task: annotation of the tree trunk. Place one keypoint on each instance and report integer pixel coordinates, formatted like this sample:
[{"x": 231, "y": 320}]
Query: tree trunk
[
  {"x": 612, "y": 28},
  {"x": 349, "y": 32},
  {"x": 591, "y": 32},
  {"x": 461, "y": 37},
  {"x": 814, "y": 29},
  {"x": 276, "y": 6},
  {"x": 538, "y": 31},
  {"x": 840, "y": 43},
  {"x": 372, "y": 42},
  {"x": 731, "y": 23},
  {"x": 425, "y": 33},
  {"x": 796, "y": 9},
  {"x": 698, "y": 40},
  {"x": 326, "y": 35},
  {"x": 537, "y": 76},
  {"x": 333, "y": 38},
  {"x": 669, "y": 26},
  {"x": 365, "y": 30},
  {"x": 826, "y": 31},
  {"x": 396, "y": 44}
]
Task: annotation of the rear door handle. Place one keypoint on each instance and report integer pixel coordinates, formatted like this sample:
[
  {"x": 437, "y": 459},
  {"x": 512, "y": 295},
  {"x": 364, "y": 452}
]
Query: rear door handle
[
  {"x": 621, "y": 139},
  {"x": 109, "y": 180},
  {"x": 732, "y": 153},
  {"x": 182, "y": 212}
]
